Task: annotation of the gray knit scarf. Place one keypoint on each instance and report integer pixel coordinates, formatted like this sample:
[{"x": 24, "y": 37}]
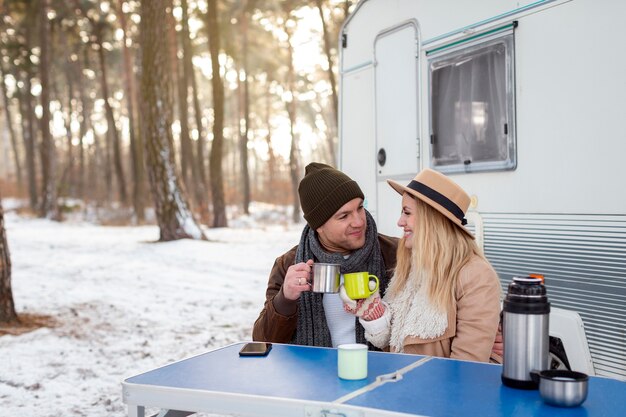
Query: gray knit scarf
[{"x": 312, "y": 329}]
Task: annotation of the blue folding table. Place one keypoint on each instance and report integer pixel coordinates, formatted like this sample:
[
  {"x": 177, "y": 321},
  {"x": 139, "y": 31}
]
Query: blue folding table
[{"x": 302, "y": 381}]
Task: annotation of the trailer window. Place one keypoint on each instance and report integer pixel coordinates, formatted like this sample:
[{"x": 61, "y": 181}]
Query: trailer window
[{"x": 472, "y": 107}]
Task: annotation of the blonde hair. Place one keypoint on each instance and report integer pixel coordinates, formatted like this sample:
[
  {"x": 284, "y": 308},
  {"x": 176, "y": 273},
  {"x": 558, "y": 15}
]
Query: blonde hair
[{"x": 440, "y": 250}]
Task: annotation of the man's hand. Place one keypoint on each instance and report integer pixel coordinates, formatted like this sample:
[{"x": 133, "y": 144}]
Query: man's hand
[
  {"x": 297, "y": 280},
  {"x": 370, "y": 308},
  {"x": 498, "y": 345}
]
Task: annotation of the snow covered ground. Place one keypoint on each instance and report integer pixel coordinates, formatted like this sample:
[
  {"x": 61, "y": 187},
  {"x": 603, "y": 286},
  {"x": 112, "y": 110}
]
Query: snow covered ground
[{"x": 123, "y": 305}]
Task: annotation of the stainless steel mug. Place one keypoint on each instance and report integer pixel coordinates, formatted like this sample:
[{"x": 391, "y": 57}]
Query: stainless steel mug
[
  {"x": 326, "y": 277},
  {"x": 525, "y": 327},
  {"x": 562, "y": 388}
]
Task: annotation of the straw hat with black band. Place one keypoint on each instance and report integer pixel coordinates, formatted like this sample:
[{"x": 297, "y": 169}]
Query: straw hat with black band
[{"x": 439, "y": 192}]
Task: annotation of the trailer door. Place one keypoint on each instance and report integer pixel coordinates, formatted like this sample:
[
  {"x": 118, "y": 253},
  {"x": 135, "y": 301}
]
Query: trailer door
[{"x": 396, "y": 116}]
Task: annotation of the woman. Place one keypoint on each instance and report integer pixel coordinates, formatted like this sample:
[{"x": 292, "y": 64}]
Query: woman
[{"x": 444, "y": 297}]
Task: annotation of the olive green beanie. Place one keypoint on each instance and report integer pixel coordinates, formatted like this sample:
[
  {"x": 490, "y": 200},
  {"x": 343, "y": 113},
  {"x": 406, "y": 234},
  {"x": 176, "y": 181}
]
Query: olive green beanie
[{"x": 323, "y": 191}]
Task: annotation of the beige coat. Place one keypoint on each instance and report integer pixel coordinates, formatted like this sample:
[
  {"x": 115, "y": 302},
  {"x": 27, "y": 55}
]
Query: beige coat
[{"x": 472, "y": 324}]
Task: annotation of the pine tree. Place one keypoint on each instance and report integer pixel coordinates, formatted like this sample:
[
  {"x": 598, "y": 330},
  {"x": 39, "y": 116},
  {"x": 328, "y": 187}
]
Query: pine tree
[{"x": 174, "y": 217}]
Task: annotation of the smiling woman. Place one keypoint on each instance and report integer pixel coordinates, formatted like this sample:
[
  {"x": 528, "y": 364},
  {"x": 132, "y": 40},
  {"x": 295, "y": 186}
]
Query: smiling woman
[{"x": 444, "y": 297}]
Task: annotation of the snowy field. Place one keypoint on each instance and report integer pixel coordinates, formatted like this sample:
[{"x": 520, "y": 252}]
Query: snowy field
[{"x": 124, "y": 305}]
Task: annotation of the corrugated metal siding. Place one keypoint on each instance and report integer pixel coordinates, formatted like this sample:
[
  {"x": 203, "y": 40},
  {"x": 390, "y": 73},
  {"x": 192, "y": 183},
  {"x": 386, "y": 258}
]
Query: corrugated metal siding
[{"x": 583, "y": 259}]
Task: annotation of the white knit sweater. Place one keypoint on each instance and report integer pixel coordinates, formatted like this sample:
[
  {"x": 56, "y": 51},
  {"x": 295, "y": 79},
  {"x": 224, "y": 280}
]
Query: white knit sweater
[{"x": 408, "y": 313}]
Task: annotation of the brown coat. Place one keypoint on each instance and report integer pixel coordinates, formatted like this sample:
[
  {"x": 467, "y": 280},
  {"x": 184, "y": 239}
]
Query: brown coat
[
  {"x": 473, "y": 323},
  {"x": 278, "y": 319}
]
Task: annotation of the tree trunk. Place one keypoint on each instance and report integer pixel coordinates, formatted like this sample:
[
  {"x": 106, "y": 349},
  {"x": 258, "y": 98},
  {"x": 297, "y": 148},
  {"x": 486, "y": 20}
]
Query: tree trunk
[
  {"x": 7, "y": 110},
  {"x": 81, "y": 145},
  {"x": 217, "y": 182},
  {"x": 271, "y": 160},
  {"x": 294, "y": 166},
  {"x": 346, "y": 9},
  {"x": 112, "y": 129},
  {"x": 201, "y": 131},
  {"x": 29, "y": 138},
  {"x": 49, "y": 208},
  {"x": 7, "y": 306},
  {"x": 329, "y": 143},
  {"x": 198, "y": 183},
  {"x": 85, "y": 125},
  {"x": 186, "y": 155},
  {"x": 200, "y": 144},
  {"x": 99, "y": 163},
  {"x": 173, "y": 215},
  {"x": 135, "y": 141},
  {"x": 243, "y": 142},
  {"x": 105, "y": 154},
  {"x": 333, "y": 83},
  {"x": 70, "y": 180}
]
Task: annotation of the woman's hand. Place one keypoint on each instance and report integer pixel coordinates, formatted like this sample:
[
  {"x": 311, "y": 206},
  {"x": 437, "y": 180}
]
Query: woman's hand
[
  {"x": 370, "y": 308},
  {"x": 297, "y": 280}
]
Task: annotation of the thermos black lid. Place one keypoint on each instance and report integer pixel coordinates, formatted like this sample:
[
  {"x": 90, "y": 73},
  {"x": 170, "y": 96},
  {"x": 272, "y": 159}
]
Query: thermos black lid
[
  {"x": 526, "y": 296},
  {"x": 526, "y": 286}
]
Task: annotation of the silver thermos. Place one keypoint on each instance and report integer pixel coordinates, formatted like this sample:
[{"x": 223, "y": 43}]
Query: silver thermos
[{"x": 525, "y": 330}]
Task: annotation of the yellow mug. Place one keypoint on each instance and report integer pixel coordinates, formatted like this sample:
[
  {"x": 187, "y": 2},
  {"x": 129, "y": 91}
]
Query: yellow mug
[{"x": 358, "y": 284}]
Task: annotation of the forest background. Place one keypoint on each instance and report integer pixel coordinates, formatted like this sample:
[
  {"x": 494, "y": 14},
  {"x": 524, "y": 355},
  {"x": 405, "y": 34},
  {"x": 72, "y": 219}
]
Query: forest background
[{"x": 166, "y": 112}]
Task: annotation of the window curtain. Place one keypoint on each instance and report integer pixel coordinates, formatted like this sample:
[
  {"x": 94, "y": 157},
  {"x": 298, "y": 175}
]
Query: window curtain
[{"x": 469, "y": 107}]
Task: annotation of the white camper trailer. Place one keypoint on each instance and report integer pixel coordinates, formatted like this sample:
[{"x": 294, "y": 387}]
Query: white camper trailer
[{"x": 523, "y": 103}]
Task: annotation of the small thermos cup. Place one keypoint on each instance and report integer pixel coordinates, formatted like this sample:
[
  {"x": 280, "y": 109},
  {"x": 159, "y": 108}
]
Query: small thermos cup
[{"x": 525, "y": 327}]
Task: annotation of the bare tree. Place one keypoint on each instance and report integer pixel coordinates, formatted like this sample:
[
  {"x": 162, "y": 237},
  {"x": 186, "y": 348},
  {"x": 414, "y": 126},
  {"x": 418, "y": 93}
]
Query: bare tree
[
  {"x": 198, "y": 185},
  {"x": 271, "y": 161},
  {"x": 7, "y": 306},
  {"x": 85, "y": 123},
  {"x": 217, "y": 181},
  {"x": 331, "y": 78},
  {"x": 294, "y": 163},
  {"x": 16, "y": 51},
  {"x": 69, "y": 171},
  {"x": 100, "y": 25},
  {"x": 200, "y": 143},
  {"x": 173, "y": 215},
  {"x": 29, "y": 137},
  {"x": 244, "y": 133},
  {"x": 7, "y": 111},
  {"x": 136, "y": 149},
  {"x": 347, "y": 4},
  {"x": 186, "y": 151},
  {"x": 98, "y": 28},
  {"x": 49, "y": 207}
]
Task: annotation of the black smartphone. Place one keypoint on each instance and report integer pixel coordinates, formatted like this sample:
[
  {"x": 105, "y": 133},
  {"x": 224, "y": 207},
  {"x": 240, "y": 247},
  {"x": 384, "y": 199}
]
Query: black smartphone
[{"x": 255, "y": 349}]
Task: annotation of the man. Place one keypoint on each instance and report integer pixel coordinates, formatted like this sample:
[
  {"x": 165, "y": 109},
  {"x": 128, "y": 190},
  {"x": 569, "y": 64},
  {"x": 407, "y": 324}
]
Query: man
[{"x": 339, "y": 230}]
